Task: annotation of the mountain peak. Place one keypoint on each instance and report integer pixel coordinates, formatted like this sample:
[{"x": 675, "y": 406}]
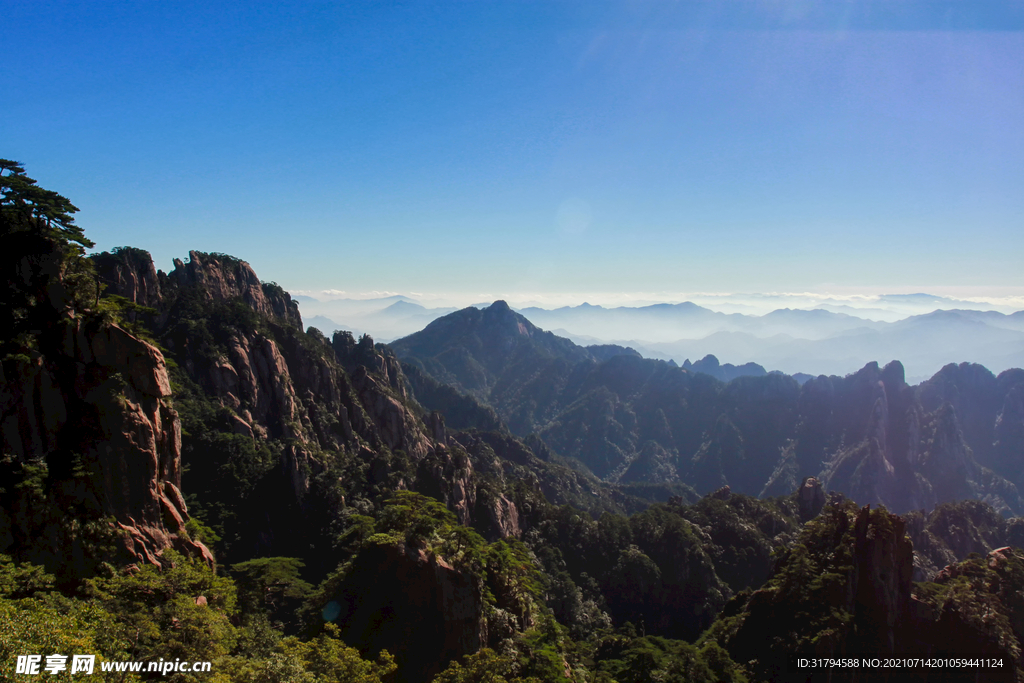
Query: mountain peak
[
  {"x": 404, "y": 306},
  {"x": 478, "y": 348}
]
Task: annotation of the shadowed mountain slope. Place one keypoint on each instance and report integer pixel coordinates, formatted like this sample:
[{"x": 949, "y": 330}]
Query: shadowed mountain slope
[
  {"x": 869, "y": 435},
  {"x": 845, "y": 588}
]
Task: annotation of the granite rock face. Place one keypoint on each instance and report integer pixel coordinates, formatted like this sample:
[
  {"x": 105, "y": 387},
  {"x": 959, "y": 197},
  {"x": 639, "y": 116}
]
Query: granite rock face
[
  {"x": 881, "y": 586},
  {"x": 241, "y": 342},
  {"x": 504, "y": 518},
  {"x": 133, "y": 275},
  {"x": 94, "y": 421},
  {"x": 847, "y": 589},
  {"x": 391, "y": 421},
  {"x": 272, "y": 380},
  {"x": 851, "y": 576},
  {"x": 448, "y": 476},
  {"x": 223, "y": 278}
]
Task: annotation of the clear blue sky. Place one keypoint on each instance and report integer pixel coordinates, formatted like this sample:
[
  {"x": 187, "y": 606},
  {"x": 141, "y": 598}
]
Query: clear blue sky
[{"x": 503, "y": 147}]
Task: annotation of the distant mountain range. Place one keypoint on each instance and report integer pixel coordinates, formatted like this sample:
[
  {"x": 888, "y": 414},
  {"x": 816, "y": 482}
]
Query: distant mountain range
[
  {"x": 670, "y": 322},
  {"x": 924, "y": 343},
  {"x": 384, "y": 318},
  {"x": 627, "y": 419},
  {"x": 793, "y": 341}
]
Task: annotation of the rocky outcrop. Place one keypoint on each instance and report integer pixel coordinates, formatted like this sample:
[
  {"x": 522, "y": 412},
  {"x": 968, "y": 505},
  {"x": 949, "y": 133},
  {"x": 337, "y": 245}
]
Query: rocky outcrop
[
  {"x": 92, "y": 426},
  {"x": 846, "y": 588},
  {"x": 413, "y": 603},
  {"x": 973, "y": 609},
  {"x": 883, "y": 570},
  {"x": 254, "y": 377},
  {"x": 223, "y": 278},
  {"x": 294, "y": 393},
  {"x": 447, "y": 475},
  {"x": 274, "y": 383},
  {"x": 132, "y": 274},
  {"x": 140, "y": 363},
  {"x": 810, "y": 499},
  {"x": 952, "y": 531},
  {"x": 396, "y": 426},
  {"x": 503, "y": 516},
  {"x": 913, "y": 453}
]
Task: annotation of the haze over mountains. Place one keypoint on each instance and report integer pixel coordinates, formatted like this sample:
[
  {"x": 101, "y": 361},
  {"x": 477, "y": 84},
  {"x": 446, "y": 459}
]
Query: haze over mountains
[
  {"x": 925, "y": 332},
  {"x": 627, "y": 419}
]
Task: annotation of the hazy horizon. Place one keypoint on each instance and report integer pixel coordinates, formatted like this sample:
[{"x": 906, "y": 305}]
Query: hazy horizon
[{"x": 888, "y": 306}]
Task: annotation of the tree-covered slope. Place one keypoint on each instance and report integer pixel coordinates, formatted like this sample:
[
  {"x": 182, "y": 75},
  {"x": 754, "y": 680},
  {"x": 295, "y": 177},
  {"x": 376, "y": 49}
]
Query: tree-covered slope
[
  {"x": 844, "y": 589},
  {"x": 868, "y": 435}
]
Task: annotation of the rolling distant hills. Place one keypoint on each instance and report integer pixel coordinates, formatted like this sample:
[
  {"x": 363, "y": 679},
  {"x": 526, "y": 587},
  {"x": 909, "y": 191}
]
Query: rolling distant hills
[
  {"x": 926, "y": 342},
  {"x": 807, "y": 341}
]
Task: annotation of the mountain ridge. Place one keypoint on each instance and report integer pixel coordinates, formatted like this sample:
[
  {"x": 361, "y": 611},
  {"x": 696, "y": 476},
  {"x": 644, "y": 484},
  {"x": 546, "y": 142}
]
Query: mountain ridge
[{"x": 604, "y": 412}]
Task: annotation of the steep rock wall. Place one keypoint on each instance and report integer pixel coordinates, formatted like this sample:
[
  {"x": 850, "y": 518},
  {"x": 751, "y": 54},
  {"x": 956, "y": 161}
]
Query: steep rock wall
[{"x": 92, "y": 422}]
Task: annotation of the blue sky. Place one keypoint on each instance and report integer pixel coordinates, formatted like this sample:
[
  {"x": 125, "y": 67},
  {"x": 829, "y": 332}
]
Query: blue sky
[{"x": 504, "y": 149}]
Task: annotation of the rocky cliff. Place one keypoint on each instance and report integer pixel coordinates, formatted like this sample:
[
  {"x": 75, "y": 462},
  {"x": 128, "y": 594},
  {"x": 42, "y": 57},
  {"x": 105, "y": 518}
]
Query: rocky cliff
[
  {"x": 325, "y": 423},
  {"x": 973, "y": 608},
  {"x": 88, "y": 427},
  {"x": 302, "y": 403},
  {"x": 280, "y": 382}
]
